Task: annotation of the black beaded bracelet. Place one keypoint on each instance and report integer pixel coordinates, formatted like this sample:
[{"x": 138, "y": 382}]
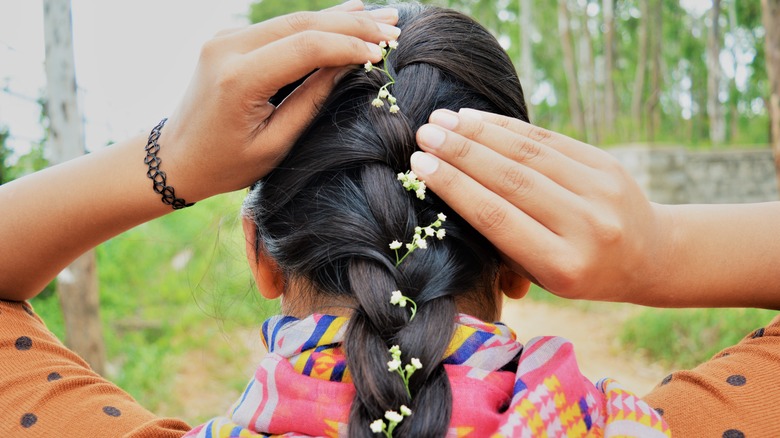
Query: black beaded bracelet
[{"x": 158, "y": 176}]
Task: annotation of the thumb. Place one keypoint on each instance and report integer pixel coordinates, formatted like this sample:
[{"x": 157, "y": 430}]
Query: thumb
[{"x": 296, "y": 112}]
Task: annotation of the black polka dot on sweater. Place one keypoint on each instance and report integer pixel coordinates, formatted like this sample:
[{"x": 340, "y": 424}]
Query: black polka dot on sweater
[
  {"x": 111, "y": 411},
  {"x": 736, "y": 380},
  {"x": 733, "y": 433},
  {"x": 666, "y": 379},
  {"x": 660, "y": 411},
  {"x": 758, "y": 333},
  {"x": 53, "y": 376},
  {"x": 28, "y": 420},
  {"x": 23, "y": 343}
]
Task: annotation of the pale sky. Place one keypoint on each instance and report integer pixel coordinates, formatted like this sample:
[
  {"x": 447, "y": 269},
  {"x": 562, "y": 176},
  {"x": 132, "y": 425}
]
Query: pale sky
[{"x": 134, "y": 60}]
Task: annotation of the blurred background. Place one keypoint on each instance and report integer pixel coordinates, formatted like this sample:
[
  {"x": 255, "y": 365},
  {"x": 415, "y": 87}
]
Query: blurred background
[{"x": 679, "y": 90}]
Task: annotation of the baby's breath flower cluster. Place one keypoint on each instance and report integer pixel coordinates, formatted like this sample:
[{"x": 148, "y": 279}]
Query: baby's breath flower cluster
[
  {"x": 418, "y": 241},
  {"x": 384, "y": 92},
  {"x": 394, "y": 418},
  {"x": 399, "y": 299},
  {"x": 412, "y": 184}
]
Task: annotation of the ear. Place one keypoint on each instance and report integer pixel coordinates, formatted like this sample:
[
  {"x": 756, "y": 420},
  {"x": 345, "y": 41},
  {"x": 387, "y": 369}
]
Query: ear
[
  {"x": 269, "y": 279},
  {"x": 513, "y": 285}
]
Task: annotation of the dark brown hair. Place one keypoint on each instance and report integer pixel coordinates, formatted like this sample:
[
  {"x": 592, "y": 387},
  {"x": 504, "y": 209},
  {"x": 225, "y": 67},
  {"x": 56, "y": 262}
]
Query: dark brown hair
[{"x": 328, "y": 212}]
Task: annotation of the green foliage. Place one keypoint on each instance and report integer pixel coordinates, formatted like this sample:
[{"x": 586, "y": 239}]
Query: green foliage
[
  {"x": 687, "y": 337},
  {"x": 167, "y": 287}
]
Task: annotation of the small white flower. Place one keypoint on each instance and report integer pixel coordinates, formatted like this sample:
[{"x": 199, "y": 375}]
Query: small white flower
[
  {"x": 394, "y": 109},
  {"x": 368, "y": 66},
  {"x": 441, "y": 233},
  {"x": 405, "y": 411},
  {"x": 417, "y": 231},
  {"x": 396, "y": 297},
  {"x": 400, "y": 177},
  {"x": 422, "y": 244},
  {"x": 392, "y": 100},
  {"x": 420, "y": 193},
  {"x": 393, "y": 365},
  {"x": 378, "y": 426},
  {"x": 393, "y": 44},
  {"x": 429, "y": 232},
  {"x": 395, "y": 351},
  {"x": 383, "y": 44},
  {"x": 412, "y": 175},
  {"x": 442, "y": 217},
  {"x": 416, "y": 363},
  {"x": 377, "y": 102},
  {"x": 384, "y": 52},
  {"x": 395, "y": 244},
  {"x": 383, "y": 93},
  {"x": 393, "y": 417}
]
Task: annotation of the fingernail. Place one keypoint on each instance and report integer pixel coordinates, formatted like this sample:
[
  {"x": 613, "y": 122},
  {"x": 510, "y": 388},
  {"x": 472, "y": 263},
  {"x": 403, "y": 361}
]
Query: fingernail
[
  {"x": 384, "y": 14},
  {"x": 424, "y": 164},
  {"x": 391, "y": 32},
  {"x": 376, "y": 51},
  {"x": 471, "y": 113},
  {"x": 431, "y": 136},
  {"x": 445, "y": 118}
]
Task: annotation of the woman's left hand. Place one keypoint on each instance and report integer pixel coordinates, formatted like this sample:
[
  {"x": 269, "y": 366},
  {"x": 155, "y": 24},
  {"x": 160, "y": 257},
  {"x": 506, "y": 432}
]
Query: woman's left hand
[{"x": 225, "y": 134}]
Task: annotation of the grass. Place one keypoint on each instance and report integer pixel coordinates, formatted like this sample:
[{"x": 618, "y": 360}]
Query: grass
[
  {"x": 684, "y": 338},
  {"x": 168, "y": 287}
]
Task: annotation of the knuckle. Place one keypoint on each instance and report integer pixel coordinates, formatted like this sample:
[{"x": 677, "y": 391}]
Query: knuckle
[
  {"x": 515, "y": 182},
  {"x": 210, "y": 48},
  {"x": 606, "y": 230},
  {"x": 462, "y": 149},
  {"x": 300, "y": 21},
  {"x": 305, "y": 44},
  {"x": 522, "y": 150},
  {"x": 539, "y": 134},
  {"x": 490, "y": 216},
  {"x": 476, "y": 130}
]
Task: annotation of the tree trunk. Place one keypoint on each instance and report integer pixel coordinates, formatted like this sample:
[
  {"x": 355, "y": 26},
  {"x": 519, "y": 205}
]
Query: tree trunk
[
  {"x": 567, "y": 44},
  {"x": 653, "y": 109},
  {"x": 637, "y": 97},
  {"x": 714, "y": 74},
  {"x": 76, "y": 284},
  {"x": 525, "y": 30},
  {"x": 733, "y": 91},
  {"x": 771, "y": 18},
  {"x": 588, "y": 80},
  {"x": 608, "y": 125}
]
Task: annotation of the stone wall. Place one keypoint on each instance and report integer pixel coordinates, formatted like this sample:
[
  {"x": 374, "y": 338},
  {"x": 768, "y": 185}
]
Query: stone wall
[{"x": 675, "y": 175}]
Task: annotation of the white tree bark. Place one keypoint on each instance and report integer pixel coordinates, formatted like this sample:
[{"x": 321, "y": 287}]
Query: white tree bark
[
  {"x": 771, "y": 19},
  {"x": 526, "y": 52},
  {"x": 77, "y": 284},
  {"x": 714, "y": 75}
]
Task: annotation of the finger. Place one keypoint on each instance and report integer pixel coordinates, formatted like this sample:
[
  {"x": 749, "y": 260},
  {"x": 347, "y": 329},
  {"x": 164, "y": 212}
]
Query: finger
[
  {"x": 357, "y": 24},
  {"x": 350, "y": 6},
  {"x": 284, "y": 62},
  {"x": 565, "y": 171},
  {"x": 295, "y": 114},
  {"x": 523, "y": 187},
  {"x": 574, "y": 149},
  {"x": 514, "y": 233}
]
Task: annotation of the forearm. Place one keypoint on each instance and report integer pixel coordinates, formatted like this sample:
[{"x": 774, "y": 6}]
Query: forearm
[
  {"x": 719, "y": 256},
  {"x": 51, "y": 217}
]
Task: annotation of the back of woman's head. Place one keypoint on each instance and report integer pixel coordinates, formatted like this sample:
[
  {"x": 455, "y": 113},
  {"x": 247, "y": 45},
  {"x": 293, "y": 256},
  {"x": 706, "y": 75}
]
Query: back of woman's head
[{"x": 327, "y": 214}]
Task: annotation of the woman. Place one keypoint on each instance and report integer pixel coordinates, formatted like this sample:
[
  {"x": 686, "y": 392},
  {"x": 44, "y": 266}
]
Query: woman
[{"x": 227, "y": 105}]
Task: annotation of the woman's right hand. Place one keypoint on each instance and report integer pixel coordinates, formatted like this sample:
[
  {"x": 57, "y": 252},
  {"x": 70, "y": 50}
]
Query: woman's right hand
[
  {"x": 563, "y": 213},
  {"x": 569, "y": 217}
]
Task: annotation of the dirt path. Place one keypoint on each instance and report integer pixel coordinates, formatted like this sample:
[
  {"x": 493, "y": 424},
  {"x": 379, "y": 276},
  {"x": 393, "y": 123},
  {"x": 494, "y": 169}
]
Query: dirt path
[{"x": 208, "y": 384}]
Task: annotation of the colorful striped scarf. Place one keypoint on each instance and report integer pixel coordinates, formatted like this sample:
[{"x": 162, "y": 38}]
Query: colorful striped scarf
[{"x": 303, "y": 388}]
